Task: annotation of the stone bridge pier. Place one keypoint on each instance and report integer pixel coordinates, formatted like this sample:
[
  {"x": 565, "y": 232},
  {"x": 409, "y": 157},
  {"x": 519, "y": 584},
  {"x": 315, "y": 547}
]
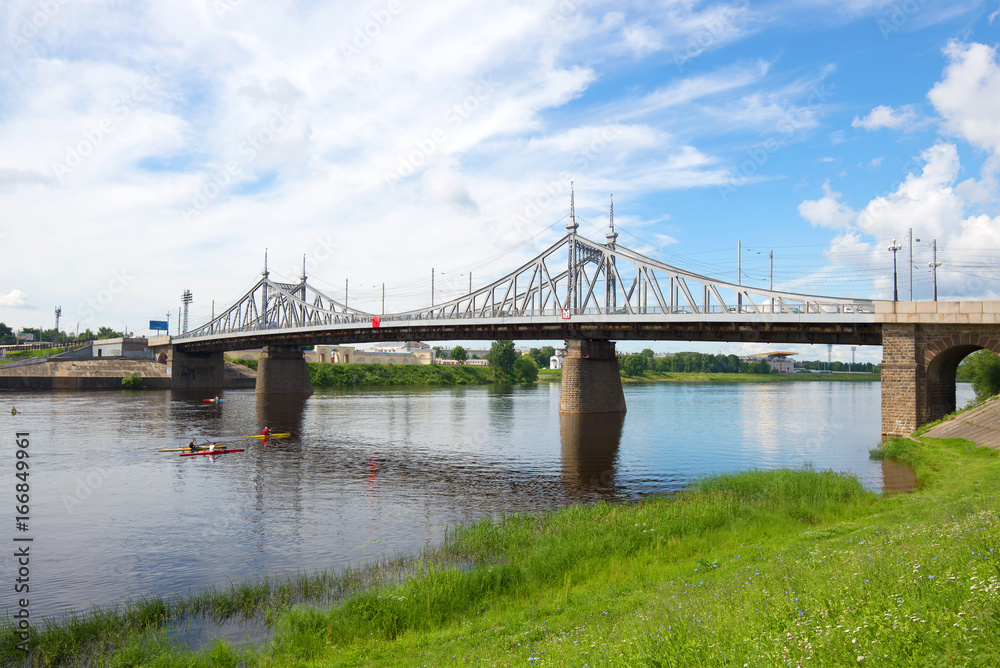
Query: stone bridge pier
[
  {"x": 283, "y": 370},
  {"x": 591, "y": 382},
  {"x": 922, "y": 345},
  {"x": 280, "y": 369}
]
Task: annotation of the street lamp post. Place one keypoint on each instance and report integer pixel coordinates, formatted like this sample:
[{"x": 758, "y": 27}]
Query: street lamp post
[{"x": 895, "y": 288}]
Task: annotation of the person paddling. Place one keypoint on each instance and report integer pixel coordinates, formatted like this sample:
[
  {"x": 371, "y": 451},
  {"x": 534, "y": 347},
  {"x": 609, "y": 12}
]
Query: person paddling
[
  {"x": 265, "y": 432},
  {"x": 193, "y": 446},
  {"x": 13, "y": 410}
]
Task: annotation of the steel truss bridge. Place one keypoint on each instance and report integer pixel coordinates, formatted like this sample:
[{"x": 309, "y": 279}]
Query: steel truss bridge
[{"x": 575, "y": 289}]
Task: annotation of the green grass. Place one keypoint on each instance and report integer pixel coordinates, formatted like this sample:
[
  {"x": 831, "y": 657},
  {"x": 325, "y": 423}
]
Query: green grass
[
  {"x": 761, "y": 568},
  {"x": 47, "y": 352},
  {"x": 700, "y": 377}
]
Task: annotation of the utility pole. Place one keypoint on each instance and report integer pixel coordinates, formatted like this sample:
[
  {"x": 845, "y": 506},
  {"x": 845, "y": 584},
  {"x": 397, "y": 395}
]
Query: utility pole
[
  {"x": 383, "y": 298},
  {"x": 910, "y": 280},
  {"x": 432, "y": 286},
  {"x": 739, "y": 275},
  {"x": 934, "y": 265},
  {"x": 345, "y": 293}
]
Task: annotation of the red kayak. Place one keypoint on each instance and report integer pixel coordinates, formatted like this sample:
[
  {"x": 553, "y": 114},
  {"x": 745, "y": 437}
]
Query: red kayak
[{"x": 214, "y": 452}]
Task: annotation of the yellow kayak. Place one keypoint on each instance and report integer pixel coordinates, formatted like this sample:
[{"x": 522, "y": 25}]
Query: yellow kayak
[{"x": 268, "y": 436}]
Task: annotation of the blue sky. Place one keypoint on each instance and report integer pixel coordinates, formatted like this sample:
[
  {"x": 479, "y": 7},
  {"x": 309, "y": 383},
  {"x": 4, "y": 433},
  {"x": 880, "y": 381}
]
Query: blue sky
[{"x": 151, "y": 147}]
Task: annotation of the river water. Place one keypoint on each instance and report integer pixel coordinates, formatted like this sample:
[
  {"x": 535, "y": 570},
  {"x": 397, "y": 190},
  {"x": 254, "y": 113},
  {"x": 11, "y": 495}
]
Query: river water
[{"x": 369, "y": 472}]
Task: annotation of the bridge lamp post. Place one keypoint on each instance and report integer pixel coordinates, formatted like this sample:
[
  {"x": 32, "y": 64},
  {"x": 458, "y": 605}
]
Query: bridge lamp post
[{"x": 895, "y": 288}]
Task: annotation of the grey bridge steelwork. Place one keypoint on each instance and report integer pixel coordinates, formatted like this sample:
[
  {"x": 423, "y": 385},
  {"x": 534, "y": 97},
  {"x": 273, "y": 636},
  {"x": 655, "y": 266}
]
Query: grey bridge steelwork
[{"x": 576, "y": 289}]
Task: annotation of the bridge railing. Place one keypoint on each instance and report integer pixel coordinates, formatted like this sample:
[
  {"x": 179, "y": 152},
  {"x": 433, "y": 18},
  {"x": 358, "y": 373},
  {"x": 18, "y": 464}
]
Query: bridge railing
[{"x": 761, "y": 309}]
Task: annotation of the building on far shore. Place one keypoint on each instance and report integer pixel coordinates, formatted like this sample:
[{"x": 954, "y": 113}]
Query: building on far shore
[
  {"x": 556, "y": 361},
  {"x": 332, "y": 354},
  {"x": 778, "y": 360}
]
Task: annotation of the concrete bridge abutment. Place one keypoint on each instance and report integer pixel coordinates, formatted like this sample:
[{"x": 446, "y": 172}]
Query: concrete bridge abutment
[
  {"x": 196, "y": 370},
  {"x": 283, "y": 370},
  {"x": 591, "y": 382}
]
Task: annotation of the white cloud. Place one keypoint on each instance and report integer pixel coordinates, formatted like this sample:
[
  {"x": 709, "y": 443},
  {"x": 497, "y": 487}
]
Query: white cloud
[
  {"x": 828, "y": 211},
  {"x": 642, "y": 40},
  {"x": 968, "y": 96},
  {"x": 934, "y": 205},
  {"x": 905, "y": 118},
  {"x": 14, "y": 299}
]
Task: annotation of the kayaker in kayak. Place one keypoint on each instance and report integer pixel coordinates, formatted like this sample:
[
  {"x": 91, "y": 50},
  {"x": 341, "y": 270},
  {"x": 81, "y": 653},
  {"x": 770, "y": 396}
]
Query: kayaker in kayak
[
  {"x": 265, "y": 432},
  {"x": 14, "y": 411},
  {"x": 211, "y": 446},
  {"x": 193, "y": 446}
]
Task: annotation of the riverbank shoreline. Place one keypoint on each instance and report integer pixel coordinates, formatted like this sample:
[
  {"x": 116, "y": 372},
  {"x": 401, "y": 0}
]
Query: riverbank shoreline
[
  {"x": 698, "y": 377},
  {"x": 106, "y": 374},
  {"x": 757, "y": 568}
]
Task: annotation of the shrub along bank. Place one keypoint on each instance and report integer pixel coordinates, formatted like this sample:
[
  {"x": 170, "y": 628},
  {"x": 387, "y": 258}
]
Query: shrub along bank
[
  {"x": 757, "y": 569},
  {"x": 324, "y": 374}
]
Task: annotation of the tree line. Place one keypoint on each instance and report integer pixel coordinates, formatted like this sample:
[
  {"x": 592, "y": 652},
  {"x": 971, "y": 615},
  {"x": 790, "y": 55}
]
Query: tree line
[{"x": 9, "y": 336}]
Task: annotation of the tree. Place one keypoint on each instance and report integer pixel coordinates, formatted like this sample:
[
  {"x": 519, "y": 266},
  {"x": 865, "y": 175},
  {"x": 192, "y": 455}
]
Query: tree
[
  {"x": 501, "y": 359},
  {"x": 634, "y": 365},
  {"x": 526, "y": 369},
  {"x": 459, "y": 354},
  {"x": 108, "y": 333},
  {"x": 542, "y": 356},
  {"x": 985, "y": 367}
]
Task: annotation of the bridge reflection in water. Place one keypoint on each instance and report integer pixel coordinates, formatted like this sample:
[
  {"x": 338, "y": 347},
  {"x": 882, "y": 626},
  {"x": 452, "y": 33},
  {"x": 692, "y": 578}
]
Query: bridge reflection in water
[
  {"x": 281, "y": 413},
  {"x": 590, "y": 451}
]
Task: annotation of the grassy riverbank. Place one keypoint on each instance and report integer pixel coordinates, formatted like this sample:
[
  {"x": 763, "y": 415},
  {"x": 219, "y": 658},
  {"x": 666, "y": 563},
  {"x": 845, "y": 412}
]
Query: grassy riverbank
[
  {"x": 697, "y": 377},
  {"x": 759, "y": 569}
]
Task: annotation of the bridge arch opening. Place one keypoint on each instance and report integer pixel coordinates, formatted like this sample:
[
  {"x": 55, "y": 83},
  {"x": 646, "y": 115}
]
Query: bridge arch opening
[{"x": 941, "y": 370}]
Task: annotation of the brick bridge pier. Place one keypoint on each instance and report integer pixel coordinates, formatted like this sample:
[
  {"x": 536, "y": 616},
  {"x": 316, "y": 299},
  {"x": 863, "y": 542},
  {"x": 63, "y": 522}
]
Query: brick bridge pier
[{"x": 922, "y": 345}]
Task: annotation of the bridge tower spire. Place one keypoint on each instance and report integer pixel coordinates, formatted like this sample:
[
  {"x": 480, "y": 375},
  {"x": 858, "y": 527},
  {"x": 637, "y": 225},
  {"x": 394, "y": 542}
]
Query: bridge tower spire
[
  {"x": 303, "y": 288},
  {"x": 571, "y": 228},
  {"x": 609, "y": 269},
  {"x": 263, "y": 294}
]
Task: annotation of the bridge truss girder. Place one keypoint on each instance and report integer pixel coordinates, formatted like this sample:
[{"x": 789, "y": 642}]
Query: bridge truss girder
[{"x": 572, "y": 279}]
